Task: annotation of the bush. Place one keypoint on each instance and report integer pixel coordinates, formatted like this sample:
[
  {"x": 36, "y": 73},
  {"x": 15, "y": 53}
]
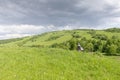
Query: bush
[
  {"x": 111, "y": 49},
  {"x": 53, "y": 38},
  {"x": 38, "y": 46},
  {"x": 76, "y": 35},
  {"x": 73, "y": 45},
  {"x": 92, "y": 32},
  {"x": 98, "y": 53},
  {"x": 113, "y": 30},
  {"x": 100, "y": 36},
  {"x": 89, "y": 47},
  {"x": 118, "y": 50},
  {"x": 64, "y": 45}
]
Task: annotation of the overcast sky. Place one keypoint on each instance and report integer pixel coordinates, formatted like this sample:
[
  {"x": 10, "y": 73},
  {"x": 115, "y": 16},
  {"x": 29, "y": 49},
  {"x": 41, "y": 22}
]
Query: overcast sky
[{"x": 26, "y": 17}]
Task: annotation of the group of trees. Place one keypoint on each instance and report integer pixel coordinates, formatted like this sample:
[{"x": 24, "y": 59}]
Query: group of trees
[
  {"x": 100, "y": 36},
  {"x": 108, "y": 46},
  {"x": 10, "y": 40},
  {"x": 113, "y": 30},
  {"x": 53, "y": 37}
]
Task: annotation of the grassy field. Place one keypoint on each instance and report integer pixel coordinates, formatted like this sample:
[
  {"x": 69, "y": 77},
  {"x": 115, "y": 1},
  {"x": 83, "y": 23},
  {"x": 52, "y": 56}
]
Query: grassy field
[
  {"x": 26, "y": 63},
  {"x": 20, "y": 61},
  {"x": 58, "y": 37}
]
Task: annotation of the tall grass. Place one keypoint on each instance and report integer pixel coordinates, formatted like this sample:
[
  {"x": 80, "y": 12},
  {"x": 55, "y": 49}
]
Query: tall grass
[{"x": 22, "y": 63}]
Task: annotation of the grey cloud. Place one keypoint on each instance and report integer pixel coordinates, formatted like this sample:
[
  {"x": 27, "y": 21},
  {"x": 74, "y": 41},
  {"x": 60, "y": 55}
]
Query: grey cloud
[
  {"x": 57, "y": 12},
  {"x": 26, "y": 17}
]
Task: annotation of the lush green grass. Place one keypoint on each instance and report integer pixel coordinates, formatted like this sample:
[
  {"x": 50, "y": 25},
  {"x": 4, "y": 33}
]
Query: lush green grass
[
  {"x": 45, "y": 38},
  {"x": 19, "y": 61},
  {"x": 24, "y": 63},
  {"x": 62, "y": 36}
]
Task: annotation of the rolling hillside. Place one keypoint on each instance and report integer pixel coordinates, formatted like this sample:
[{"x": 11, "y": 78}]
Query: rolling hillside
[
  {"x": 48, "y": 56},
  {"x": 103, "y": 41},
  {"x": 25, "y": 63},
  {"x": 47, "y": 39}
]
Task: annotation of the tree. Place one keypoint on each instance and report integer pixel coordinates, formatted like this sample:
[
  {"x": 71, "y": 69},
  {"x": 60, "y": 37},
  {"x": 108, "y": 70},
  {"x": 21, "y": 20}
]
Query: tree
[
  {"x": 73, "y": 45},
  {"x": 118, "y": 49},
  {"x": 111, "y": 49},
  {"x": 89, "y": 47},
  {"x": 98, "y": 46}
]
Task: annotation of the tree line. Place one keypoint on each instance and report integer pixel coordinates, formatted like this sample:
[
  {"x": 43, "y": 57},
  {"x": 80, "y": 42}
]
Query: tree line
[{"x": 99, "y": 43}]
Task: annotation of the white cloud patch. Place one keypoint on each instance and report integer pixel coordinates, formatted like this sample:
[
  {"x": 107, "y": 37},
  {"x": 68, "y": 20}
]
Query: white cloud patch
[
  {"x": 18, "y": 31},
  {"x": 15, "y": 31},
  {"x": 97, "y": 5},
  {"x": 91, "y": 5},
  {"x": 110, "y": 22},
  {"x": 18, "y": 18},
  {"x": 9, "y": 36}
]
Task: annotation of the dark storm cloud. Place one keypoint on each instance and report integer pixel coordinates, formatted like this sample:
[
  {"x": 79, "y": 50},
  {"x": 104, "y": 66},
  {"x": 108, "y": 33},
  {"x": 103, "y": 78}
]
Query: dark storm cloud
[
  {"x": 56, "y": 12},
  {"x": 25, "y": 17}
]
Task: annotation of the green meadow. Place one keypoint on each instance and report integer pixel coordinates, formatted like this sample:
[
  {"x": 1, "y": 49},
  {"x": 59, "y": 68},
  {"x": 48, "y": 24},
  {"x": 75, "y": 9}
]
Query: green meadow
[
  {"x": 55, "y": 64},
  {"x": 33, "y": 58}
]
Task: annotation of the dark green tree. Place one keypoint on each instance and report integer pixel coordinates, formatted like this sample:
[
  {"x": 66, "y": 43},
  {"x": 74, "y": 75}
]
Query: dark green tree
[
  {"x": 111, "y": 49},
  {"x": 72, "y": 43},
  {"x": 89, "y": 47}
]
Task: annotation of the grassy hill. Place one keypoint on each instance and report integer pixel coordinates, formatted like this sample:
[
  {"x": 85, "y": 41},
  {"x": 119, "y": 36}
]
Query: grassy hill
[
  {"x": 104, "y": 41},
  {"x": 55, "y": 64},
  {"x": 34, "y": 58},
  {"x": 47, "y": 39}
]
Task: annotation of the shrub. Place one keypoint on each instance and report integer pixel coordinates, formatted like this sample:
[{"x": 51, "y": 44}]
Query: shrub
[
  {"x": 53, "y": 38},
  {"x": 89, "y": 47},
  {"x": 118, "y": 50},
  {"x": 111, "y": 49},
  {"x": 92, "y": 32},
  {"x": 76, "y": 35},
  {"x": 73, "y": 45},
  {"x": 100, "y": 36},
  {"x": 113, "y": 30}
]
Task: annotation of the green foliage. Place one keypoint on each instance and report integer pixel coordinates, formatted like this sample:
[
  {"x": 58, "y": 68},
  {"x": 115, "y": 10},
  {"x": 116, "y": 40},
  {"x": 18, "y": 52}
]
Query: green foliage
[
  {"x": 111, "y": 49},
  {"x": 84, "y": 39},
  {"x": 20, "y": 44},
  {"x": 53, "y": 37},
  {"x": 40, "y": 57},
  {"x": 37, "y": 46},
  {"x": 25, "y": 63},
  {"x": 90, "y": 40},
  {"x": 114, "y": 37},
  {"x": 100, "y": 36},
  {"x": 118, "y": 49},
  {"x": 73, "y": 43},
  {"x": 10, "y": 40},
  {"x": 76, "y": 35},
  {"x": 64, "y": 45},
  {"x": 113, "y": 30},
  {"x": 92, "y": 32},
  {"x": 98, "y": 45},
  {"x": 89, "y": 47}
]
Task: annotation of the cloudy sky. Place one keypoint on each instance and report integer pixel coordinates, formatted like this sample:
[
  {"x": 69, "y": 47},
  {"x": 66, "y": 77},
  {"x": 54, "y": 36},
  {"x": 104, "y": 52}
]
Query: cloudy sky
[{"x": 27, "y": 17}]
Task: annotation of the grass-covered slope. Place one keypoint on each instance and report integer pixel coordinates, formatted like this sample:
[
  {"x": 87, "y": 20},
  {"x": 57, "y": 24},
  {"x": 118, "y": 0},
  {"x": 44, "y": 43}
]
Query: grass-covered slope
[
  {"x": 103, "y": 41},
  {"x": 50, "y": 38},
  {"x": 32, "y": 58},
  {"x": 25, "y": 63}
]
